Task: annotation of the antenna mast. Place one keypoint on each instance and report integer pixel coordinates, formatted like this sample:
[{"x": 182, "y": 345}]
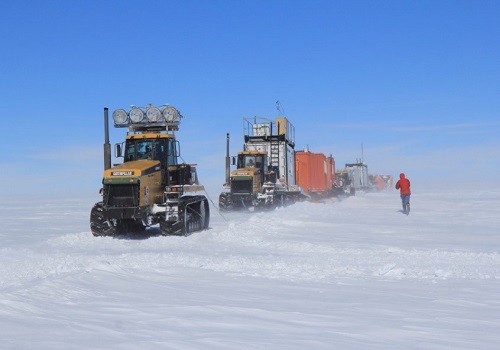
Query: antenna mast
[{"x": 279, "y": 107}]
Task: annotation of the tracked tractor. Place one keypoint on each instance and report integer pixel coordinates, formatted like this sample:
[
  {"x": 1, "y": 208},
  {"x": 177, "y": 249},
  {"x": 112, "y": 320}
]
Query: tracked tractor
[
  {"x": 151, "y": 186},
  {"x": 265, "y": 168}
]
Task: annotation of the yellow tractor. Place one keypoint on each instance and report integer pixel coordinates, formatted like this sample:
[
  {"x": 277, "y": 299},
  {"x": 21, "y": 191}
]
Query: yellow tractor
[
  {"x": 151, "y": 186},
  {"x": 265, "y": 169}
]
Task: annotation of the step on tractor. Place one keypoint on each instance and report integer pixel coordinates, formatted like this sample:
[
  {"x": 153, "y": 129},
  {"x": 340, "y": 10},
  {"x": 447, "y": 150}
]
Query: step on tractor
[
  {"x": 265, "y": 169},
  {"x": 151, "y": 186}
]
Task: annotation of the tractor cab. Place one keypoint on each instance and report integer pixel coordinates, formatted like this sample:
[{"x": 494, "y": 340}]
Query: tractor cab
[
  {"x": 256, "y": 162},
  {"x": 252, "y": 160}
]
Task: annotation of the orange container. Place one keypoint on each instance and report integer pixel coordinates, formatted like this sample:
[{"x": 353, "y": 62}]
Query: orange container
[
  {"x": 314, "y": 172},
  {"x": 332, "y": 178}
]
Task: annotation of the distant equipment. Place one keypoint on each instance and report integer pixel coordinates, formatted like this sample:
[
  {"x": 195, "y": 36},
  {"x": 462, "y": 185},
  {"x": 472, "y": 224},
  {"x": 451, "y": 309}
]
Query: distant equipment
[{"x": 270, "y": 173}]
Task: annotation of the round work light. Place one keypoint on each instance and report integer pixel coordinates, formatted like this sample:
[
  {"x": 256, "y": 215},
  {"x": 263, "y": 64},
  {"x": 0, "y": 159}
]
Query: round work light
[
  {"x": 153, "y": 114},
  {"x": 170, "y": 114},
  {"x": 136, "y": 115},
  {"x": 120, "y": 116}
]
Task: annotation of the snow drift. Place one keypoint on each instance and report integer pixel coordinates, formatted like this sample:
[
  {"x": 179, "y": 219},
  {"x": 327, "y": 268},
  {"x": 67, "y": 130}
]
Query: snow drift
[{"x": 352, "y": 274}]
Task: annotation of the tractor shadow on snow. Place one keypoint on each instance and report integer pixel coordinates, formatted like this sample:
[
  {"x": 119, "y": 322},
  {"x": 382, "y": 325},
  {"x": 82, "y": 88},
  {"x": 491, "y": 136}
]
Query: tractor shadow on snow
[{"x": 150, "y": 232}]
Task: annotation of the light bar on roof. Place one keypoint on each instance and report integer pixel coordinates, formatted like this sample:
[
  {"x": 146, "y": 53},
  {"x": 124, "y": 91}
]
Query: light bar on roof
[{"x": 148, "y": 118}]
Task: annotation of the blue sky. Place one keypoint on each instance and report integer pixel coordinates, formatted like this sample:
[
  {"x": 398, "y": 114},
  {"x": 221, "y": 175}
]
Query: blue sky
[{"x": 417, "y": 83}]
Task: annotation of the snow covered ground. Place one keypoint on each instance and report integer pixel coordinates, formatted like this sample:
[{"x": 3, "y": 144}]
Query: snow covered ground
[{"x": 350, "y": 274}]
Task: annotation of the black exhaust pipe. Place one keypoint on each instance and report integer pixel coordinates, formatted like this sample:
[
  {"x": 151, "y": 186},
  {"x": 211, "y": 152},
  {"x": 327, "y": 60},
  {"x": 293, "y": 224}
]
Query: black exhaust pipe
[
  {"x": 228, "y": 163},
  {"x": 107, "y": 145}
]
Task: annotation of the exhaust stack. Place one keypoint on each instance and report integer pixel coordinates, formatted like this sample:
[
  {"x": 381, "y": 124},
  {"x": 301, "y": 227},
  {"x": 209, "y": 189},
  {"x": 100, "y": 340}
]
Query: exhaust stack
[
  {"x": 228, "y": 165},
  {"x": 107, "y": 145}
]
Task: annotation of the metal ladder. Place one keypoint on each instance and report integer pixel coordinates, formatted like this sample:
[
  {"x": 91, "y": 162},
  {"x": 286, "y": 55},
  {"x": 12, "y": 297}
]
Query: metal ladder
[{"x": 275, "y": 154}]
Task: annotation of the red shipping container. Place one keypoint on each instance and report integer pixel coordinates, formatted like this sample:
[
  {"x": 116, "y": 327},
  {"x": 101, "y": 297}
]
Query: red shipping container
[
  {"x": 315, "y": 173},
  {"x": 332, "y": 178}
]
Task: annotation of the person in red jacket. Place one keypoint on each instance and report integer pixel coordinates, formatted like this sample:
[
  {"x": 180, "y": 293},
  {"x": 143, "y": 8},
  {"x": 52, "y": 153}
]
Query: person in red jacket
[{"x": 403, "y": 185}]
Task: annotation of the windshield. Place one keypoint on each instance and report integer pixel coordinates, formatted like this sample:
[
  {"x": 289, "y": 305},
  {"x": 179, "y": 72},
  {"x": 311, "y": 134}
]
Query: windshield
[
  {"x": 250, "y": 161},
  {"x": 152, "y": 149}
]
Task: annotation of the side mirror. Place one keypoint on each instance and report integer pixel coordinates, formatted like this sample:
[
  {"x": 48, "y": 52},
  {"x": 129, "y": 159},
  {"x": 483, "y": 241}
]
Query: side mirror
[
  {"x": 177, "y": 149},
  {"x": 118, "y": 150}
]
